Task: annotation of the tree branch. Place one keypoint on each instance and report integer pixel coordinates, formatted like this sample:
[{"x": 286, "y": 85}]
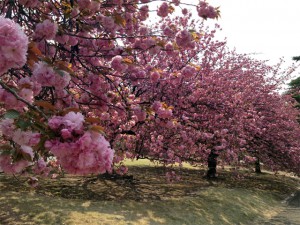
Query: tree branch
[{"x": 7, "y": 88}]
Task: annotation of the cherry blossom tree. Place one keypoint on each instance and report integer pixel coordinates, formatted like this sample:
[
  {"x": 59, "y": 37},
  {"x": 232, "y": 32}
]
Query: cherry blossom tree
[
  {"x": 212, "y": 101},
  {"x": 68, "y": 74},
  {"x": 86, "y": 83}
]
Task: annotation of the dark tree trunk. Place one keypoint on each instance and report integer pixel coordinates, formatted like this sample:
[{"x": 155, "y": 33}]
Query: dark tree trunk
[
  {"x": 257, "y": 166},
  {"x": 212, "y": 165}
]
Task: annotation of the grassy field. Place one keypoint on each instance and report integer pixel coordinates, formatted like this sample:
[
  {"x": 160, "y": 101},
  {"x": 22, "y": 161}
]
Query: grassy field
[{"x": 145, "y": 198}]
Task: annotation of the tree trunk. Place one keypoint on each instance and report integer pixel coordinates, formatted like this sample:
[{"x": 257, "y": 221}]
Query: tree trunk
[
  {"x": 212, "y": 165},
  {"x": 257, "y": 166}
]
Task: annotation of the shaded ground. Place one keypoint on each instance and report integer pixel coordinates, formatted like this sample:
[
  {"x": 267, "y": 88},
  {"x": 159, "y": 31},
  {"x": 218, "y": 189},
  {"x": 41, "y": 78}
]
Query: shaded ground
[
  {"x": 290, "y": 213},
  {"x": 144, "y": 197},
  {"x": 149, "y": 183},
  {"x": 294, "y": 200}
]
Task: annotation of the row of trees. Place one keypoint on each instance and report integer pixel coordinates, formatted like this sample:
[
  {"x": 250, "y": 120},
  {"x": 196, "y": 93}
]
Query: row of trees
[{"x": 87, "y": 83}]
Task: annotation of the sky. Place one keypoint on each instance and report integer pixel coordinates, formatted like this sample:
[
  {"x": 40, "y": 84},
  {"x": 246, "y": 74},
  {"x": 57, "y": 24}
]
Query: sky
[
  {"x": 265, "y": 29},
  {"x": 268, "y": 28}
]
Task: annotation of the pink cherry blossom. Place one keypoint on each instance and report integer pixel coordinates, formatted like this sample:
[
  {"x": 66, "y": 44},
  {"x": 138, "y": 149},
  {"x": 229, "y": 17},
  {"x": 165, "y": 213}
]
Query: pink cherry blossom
[
  {"x": 71, "y": 121},
  {"x": 46, "y": 30},
  {"x": 188, "y": 71},
  {"x": 176, "y": 2},
  {"x": 154, "y": 76},
  {"x": 45, "y": 75},
  {"x": 29, "y": 3},
  {"x": 91, "y": 153},
  {"x": 91, "y": 5},
  {"x": 9, "y": 99},
  {"x": 144, "y": 12},
  {"x": 184, "y": 11},
  {"x": 184, "y": 39},
  {"x": 13, "y": 45},
  {"x": 10, "y": 167},
  {"x": 27, "y": 138},
  {"x": 164, "y": 113},
  {"x": 206, "y": 11},
  {"x": 140, "y": 114},
  {"x": 7, "y": 127},
  {"x": 118, "y": 2},
  {"x": 65, "y": 133},
  {"x": 83, "y": 4},
  {"x": 62, "y": 39},
  {"x": 163, "y": 10},
  {"x": 108, "y": 22},
  {"x": 117, "y": 64},
  {"x": 28, "y": 150}
]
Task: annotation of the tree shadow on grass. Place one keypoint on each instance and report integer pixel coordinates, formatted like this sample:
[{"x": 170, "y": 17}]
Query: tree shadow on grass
[
  {"x": 145, "y": 199},
  {"x": 210, "y": 206}
]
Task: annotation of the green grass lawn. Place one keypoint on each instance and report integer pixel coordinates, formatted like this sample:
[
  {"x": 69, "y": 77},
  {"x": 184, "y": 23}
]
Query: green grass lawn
[{"x": 147, "y": 199}]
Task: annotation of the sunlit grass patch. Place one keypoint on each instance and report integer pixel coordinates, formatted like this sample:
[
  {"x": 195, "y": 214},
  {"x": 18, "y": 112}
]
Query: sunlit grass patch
[
  {"x": 210, "y": 206},
  {"x": 146, "y": 198}
]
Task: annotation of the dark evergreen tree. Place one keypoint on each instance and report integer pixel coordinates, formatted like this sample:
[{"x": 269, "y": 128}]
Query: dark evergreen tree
[{"x": 296, "y": 58}]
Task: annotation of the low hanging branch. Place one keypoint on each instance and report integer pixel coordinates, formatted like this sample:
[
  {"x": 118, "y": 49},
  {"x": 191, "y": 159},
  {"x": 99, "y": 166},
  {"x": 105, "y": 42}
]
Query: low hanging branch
[{"x": 33, "y": 107}]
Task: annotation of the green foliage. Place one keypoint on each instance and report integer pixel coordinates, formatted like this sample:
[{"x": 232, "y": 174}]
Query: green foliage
[
  {"x": 23, "y": 124},
  {"x": 296, "y": 58},
  {"x": 294, "y": 87},
  {"x": 295, "y": 83},
  {"x": 11, "y": 114},
  {"x": 294, "y": 91}
]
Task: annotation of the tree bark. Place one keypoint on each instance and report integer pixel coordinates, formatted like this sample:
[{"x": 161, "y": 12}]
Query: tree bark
[
  {"x": 257, "y": 166},
  {"x": 212, "y": 165}
]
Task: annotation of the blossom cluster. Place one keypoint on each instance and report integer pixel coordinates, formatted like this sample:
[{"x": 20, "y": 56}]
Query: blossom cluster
[
  {"x": 70, "y": 123},
  {"x": 46, "y": 30},
  {"x": 45, "y": 75},
  {"x": 206, "y": 11},
  {"x": 89, "y": 5},
  {"x": 162, "y": 110},
  {"x": 188, "y": 71},
  {"x": 163, "y": 10},
  {"x": 79, "y": 151},
  {"x": 184, "y": 39},
  {"x": 30, "y": 3},
  {"x": 8, "y": 166},
  {"x": 13, "y": 45},
  {"x": 90, "y": 153},
  {"x": 24, "y": 142},
  {"x": 8, "y": 99}
]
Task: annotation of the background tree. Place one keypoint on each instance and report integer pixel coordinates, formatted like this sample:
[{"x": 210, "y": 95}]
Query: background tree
[
  {"x": 294, "y": 87},
  {"x": 296, "y": 58}
]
